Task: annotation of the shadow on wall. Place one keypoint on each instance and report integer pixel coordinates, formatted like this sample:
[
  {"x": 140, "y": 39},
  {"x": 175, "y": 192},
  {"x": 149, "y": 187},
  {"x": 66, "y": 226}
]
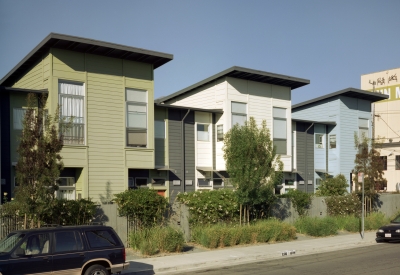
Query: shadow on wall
[
  {"x": 281, "y": 209},
  {"x": 107, "y": 199}
]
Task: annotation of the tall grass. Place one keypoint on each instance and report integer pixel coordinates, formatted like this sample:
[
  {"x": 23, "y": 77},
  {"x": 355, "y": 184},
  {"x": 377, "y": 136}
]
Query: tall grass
[
  {"x": 271, "y": 230},
  {"x": 317, "y": 227},
  {"x": 155, "y": 240}
]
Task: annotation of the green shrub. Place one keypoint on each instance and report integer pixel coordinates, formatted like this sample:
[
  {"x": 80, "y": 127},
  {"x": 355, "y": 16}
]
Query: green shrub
[
  {"x": 270, "y": 230},
  {"x": 317, "y": 227},
  {"x": 211, "y": 207},
  {"x": 375, "y": 220},
  {"x": 349, "y": 205},
  {"x": 150, "y": 241},
  {"x": 301, "y": 201},
  {"x": 348, "y": 223},
  {"x": 333, "y": 186},
  {"x": 144, "y": 205}
]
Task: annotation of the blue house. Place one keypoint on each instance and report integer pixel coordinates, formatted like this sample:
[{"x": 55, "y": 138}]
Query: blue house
[{"x": 323, "y": 135}]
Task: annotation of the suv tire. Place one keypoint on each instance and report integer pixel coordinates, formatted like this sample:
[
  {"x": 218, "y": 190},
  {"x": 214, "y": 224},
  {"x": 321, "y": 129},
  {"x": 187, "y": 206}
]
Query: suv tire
[{"x": 96, "y": 270}]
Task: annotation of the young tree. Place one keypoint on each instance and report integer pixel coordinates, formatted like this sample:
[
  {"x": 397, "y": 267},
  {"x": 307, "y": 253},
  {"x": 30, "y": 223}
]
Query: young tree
[
  {"x": 369, "y": 162},
  {"x": 39, "y": 163},
  {"x": 252, "y": 164},
  {"x": 333, "y": 186}
]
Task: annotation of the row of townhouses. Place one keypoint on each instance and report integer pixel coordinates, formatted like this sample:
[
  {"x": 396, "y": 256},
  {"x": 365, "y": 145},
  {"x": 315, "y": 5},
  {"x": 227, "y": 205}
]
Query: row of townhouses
[{"x": 123, "y": 138}]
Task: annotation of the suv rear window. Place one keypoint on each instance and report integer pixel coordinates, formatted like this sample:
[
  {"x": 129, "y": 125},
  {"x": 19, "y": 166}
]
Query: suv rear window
[{"x": 102, "y": 238}]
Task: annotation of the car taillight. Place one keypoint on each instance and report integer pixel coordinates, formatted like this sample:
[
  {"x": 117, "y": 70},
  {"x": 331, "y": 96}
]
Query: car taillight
[{"x": 124, "y": 254}]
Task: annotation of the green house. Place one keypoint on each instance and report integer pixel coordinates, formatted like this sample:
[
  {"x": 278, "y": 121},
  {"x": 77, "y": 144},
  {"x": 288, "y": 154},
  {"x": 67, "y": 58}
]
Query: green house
[{"x": 108, "y": 91}]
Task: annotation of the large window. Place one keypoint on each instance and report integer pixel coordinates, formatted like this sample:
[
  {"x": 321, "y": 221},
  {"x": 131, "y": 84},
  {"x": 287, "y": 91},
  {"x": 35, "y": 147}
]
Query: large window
[
  {"x": 72, "y": 102},
  {"x": 18, "y": 117},
  {"x": 203, "y": 133},
  {"x": 239, "y": 113},
  {"x": 280, "y": 135},
  {"x": 136, "y": 118},
  {"x": 397, "y": 163}
]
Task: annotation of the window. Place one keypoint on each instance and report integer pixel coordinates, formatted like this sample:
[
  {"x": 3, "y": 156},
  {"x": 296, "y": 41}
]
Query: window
[
  {"x": 102, "y": 238},
  {"x": 66, "y": 188},
  {"x": 218, "y": 183},
  {"x": 68, "y": 241},
  {"x": 289, "y": 182},
  {"x": 332, "y": 141},
  {"x": 18, "y": 117},
  {"x": 35, "y": 245},
  {"x": 363, "y": 128},
  {"x": 158, "y": 181},
  {"x": 141, "y": 182},
  {"x": 203, "y": 182},
  {"x": 136, "y": 118},
  {"x": 203, "y": 132},
  {"x": 279, "y": 128},
  {"x": 72, "y": 101},
  {"x": 384, "y": 162},
  {"x": 239, "y": 113},
  {"x": 220, "y": 132},
  {"x": 319, "y": 141},
  {"x": 397, "y": 163}
]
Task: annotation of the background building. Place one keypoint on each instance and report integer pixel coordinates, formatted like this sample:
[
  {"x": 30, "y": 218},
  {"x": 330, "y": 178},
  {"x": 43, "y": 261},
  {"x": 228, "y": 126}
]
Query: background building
[{"x": 386, "y": 126}]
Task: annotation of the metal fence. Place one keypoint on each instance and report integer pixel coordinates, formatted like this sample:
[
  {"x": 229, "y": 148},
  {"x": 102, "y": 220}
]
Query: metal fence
[{"x": 10, "y": 223}]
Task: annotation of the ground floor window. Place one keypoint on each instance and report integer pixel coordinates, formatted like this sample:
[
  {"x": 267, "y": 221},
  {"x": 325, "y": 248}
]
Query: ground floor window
[{"x": 66, "y": 189}]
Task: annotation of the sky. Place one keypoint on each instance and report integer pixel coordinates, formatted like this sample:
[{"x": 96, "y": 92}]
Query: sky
[{"x": 330, "y": 43}]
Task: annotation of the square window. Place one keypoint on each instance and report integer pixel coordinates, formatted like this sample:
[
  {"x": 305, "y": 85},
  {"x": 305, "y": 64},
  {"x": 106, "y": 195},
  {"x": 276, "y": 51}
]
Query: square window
[
  {"x": 319, "y": 141},
  {"x": 203, "y": 132},
  {"x": 141, "y": 181}
]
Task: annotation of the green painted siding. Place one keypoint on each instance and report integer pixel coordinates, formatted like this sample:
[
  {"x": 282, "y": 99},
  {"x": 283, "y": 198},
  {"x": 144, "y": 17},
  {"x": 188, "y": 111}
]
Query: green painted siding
[
  {"x": 104, "y": 158},
  {"x": 35, "y": 77}
]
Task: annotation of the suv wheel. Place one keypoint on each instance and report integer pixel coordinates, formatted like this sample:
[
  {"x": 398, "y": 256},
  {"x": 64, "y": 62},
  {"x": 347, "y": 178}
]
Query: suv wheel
[{"x": 97, "y": 270}]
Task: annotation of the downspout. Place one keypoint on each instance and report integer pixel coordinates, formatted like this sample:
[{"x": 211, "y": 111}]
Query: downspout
[
  {"x": 306, "y": 162},
  {"x": 183, "y": 150}
]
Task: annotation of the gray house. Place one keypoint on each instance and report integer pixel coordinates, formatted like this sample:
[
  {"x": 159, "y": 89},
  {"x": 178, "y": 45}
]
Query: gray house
[{"x": 323, "y": 135}]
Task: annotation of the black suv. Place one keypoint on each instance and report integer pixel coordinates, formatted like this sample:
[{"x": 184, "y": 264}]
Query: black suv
[{"x": 86, "y": 250}]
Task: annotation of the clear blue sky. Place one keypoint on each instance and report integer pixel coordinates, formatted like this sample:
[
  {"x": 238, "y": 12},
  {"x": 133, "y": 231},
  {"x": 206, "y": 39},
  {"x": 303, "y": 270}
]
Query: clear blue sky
[{"x": 332, "y": 43}]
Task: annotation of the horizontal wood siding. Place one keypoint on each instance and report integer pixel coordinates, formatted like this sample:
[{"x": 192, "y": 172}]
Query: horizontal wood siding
[
  {"x": 34, "y": 76},
  {"x": 190, "y": 168},
  {"x": 175, "y": 152}
]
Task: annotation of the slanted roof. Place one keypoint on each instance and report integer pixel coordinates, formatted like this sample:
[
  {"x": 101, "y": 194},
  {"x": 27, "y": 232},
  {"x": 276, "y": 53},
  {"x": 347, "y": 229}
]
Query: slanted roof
[
  {"x": 314, "y": 121},
  {"x": 247, "y": 74},
  {"x": 349, "y": 92},
  {"x": 84, "y": 45}
]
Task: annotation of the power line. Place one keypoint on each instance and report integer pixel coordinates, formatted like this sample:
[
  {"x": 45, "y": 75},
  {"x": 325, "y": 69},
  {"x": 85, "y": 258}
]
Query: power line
[{"x": 388, "y": 125}]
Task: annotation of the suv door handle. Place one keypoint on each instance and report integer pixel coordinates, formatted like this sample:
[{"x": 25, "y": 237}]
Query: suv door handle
[
  {"x": 45, "y": 258},
  {"x": 82, "y": 254}
]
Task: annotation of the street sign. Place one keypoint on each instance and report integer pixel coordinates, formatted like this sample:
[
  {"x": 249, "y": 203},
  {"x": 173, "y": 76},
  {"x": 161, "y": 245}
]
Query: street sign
[{"x": 360, "y": 177}]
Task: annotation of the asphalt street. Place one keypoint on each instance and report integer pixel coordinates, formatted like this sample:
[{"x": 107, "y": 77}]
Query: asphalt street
[{"x": 382, "y": 259}]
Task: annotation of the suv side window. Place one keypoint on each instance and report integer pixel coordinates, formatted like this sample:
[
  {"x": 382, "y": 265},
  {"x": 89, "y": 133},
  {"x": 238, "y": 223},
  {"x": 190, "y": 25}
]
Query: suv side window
[
  {"x": 102, "y": 238},
  {"x": 68, "y": 241},
  {"x": 34, "y": 245}
]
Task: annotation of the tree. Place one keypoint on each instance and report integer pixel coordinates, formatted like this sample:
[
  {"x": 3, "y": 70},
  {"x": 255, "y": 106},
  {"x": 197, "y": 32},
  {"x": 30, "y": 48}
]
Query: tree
[
  {"x": 252, "y": 164},
  {"x": 39, "y": 164},
  {"x": 333, "y": 186},
  {"x": 369, "y": 162}
]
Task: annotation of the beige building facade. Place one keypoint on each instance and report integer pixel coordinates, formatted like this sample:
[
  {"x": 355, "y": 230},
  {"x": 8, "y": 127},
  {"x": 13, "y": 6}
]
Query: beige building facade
[{"x": 386, "y": 121}]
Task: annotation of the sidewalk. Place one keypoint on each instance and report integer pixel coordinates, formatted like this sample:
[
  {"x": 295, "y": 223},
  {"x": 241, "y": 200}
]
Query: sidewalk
[{"x": 180, "y": 263}]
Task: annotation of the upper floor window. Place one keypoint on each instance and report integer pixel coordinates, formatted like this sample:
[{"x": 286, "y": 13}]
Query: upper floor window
[
  {"x": 363, "y": 128},
  {"x": 279, "y": 128},
  {"x": 397, "y": 162},
  {"x": 332, "y": 141},
  {"x": 136, "y": 118},
  {"x": 220, "y": 132},
  {"x": 72, "y": 102},
  {"x": 239, "y": 113},
  {"x": 203, "y": 133}
]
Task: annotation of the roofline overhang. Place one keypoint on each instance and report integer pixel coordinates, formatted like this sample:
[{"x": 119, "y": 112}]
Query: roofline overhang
[
  {"x": 247, "y": 74},
  {"x": 349, "y": 92},
  {"x": 314, "y": 121},
  {"x": 10, "y": 89},
  {"x": 217, "y": 111},
  {"x": 147, "y": 56}
]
